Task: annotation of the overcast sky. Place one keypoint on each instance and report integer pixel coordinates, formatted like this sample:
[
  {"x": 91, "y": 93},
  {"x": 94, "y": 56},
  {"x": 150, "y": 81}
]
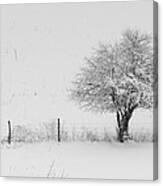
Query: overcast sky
[{"x": 43, "y": 47}]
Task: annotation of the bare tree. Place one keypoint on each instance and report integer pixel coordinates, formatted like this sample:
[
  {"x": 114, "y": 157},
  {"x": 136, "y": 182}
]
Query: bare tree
[{"x": 118, "y": 78}]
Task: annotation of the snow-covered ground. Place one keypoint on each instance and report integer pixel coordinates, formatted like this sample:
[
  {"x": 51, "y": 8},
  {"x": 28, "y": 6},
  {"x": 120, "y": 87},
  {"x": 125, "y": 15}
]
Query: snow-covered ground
[{"x": 79, "y": 160}]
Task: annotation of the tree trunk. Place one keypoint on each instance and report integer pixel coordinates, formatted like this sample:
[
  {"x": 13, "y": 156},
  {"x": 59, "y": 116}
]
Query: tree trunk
[
  {"x": 123, "y": 125},
  {"x": 123, "y": 131}
]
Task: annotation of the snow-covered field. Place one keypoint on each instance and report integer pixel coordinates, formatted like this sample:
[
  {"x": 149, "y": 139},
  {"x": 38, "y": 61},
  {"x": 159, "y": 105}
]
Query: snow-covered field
[
  {"x": 79, "y": 160},
  {"x": 40, "y": 57}
]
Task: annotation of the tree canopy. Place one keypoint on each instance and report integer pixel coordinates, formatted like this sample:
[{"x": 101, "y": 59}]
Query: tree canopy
[{"x": 117, "y": 76}]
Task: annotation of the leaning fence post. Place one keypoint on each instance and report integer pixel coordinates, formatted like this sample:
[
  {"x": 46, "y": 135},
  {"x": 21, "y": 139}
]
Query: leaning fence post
[
  {"x": 59, "y": 135},
  {"x": 9, "y": 132}
]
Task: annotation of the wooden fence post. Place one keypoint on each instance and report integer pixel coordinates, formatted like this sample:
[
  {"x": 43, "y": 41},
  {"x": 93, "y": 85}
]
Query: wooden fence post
[
  {"x": 9, "y": 132},
  {"x": 59, "y": 135}
]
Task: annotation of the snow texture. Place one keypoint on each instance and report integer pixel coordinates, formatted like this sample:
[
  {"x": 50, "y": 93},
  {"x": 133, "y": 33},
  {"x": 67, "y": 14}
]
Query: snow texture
[{"x": 79, "y": 160}]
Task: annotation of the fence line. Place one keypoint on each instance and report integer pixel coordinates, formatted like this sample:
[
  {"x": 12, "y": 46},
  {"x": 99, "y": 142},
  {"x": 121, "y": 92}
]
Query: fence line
[{"x": 58, "y": 131}]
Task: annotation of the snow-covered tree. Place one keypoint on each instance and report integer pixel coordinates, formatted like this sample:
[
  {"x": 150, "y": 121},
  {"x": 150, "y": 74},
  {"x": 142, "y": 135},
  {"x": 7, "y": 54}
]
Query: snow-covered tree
[{"x": 118, "y": 78}]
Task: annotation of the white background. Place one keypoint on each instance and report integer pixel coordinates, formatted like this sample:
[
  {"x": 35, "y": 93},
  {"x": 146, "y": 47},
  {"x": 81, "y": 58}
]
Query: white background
[{"x": 21, "y": 181}]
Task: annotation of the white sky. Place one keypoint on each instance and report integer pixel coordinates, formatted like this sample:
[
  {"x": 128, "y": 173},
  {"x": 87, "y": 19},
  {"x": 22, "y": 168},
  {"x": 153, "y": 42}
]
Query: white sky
[{"x": 43, "y": 47}]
